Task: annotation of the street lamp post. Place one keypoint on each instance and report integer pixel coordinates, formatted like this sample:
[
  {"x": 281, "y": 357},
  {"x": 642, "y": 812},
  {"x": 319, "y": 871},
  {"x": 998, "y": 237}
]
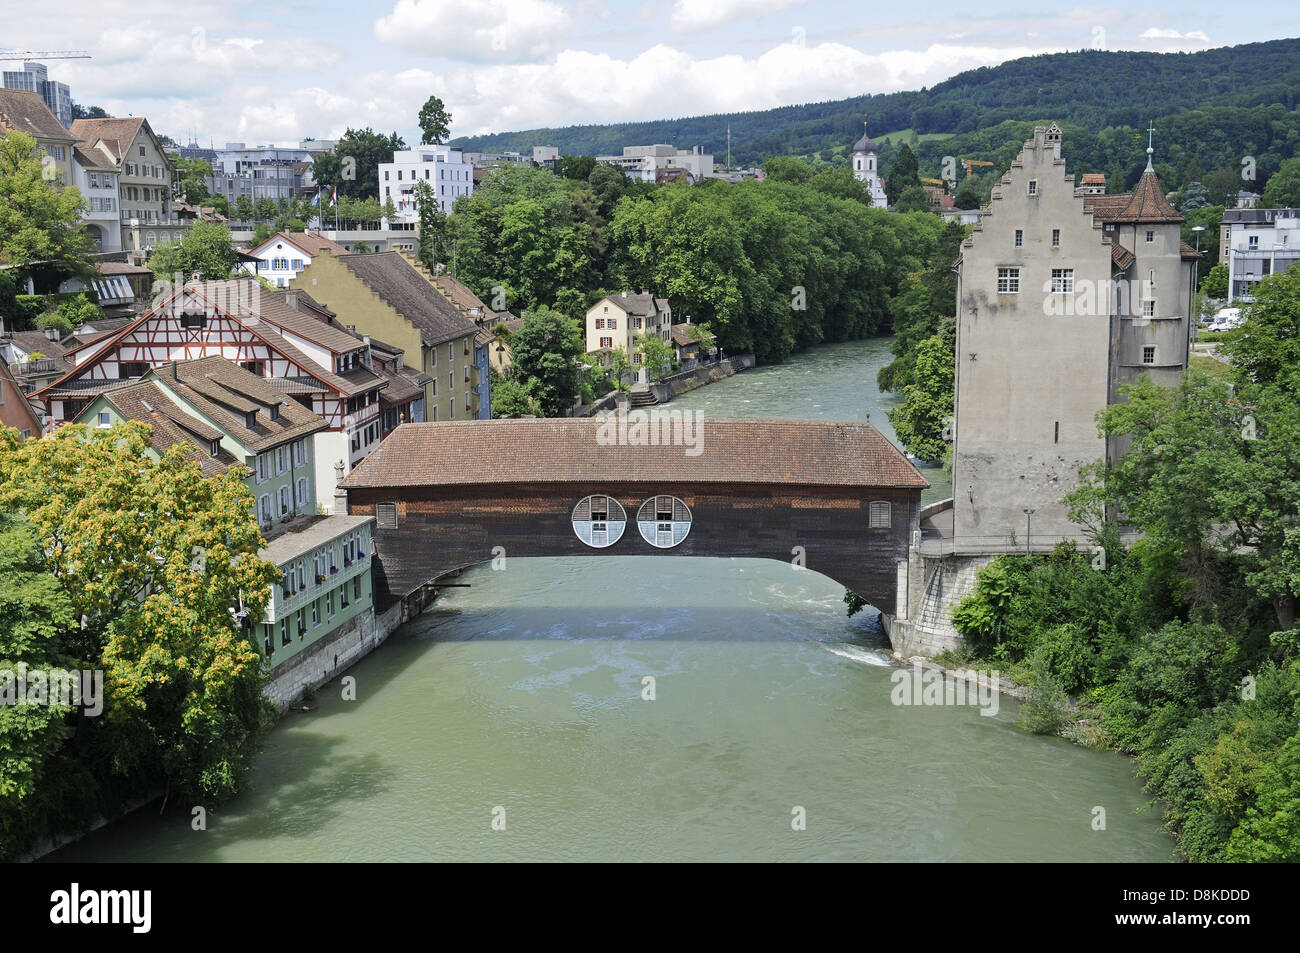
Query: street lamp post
[
  {"x": 1193, "y": 327},
  {"x": 1029, "y": 515}
]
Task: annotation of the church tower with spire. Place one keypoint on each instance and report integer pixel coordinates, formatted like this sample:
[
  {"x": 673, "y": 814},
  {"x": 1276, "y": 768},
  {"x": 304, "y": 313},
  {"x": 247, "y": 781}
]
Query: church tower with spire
[{"x": 866, "y": 168}]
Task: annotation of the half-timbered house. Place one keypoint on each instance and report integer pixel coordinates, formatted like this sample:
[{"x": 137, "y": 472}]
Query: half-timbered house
[{"x": 287, "y": 337}]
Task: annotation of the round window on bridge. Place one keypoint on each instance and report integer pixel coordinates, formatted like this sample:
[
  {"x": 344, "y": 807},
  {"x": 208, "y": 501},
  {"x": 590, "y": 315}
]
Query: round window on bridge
[
  {"x": 664, "y": 521},
  {"x": 599, "y": 521}
]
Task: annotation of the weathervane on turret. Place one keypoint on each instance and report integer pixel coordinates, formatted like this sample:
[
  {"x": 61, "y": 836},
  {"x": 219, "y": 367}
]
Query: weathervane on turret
[{"x": 1151, "y": 131}]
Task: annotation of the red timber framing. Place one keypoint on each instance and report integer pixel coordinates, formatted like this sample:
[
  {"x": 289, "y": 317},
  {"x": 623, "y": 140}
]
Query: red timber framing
[{"x": 191, "y": 324}]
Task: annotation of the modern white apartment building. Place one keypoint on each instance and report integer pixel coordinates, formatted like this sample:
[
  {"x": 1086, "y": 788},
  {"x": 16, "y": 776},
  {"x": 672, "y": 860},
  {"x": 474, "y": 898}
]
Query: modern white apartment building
[
  {"x": 1255, "y": 243},
  {"x": 444, "y": 169},
  {"x": 643, "y": 163}
]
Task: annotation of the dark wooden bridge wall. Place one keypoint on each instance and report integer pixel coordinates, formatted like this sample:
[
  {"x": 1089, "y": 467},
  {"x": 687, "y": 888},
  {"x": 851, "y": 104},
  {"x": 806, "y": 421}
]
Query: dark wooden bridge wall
[{"x": 441, "y": 529}]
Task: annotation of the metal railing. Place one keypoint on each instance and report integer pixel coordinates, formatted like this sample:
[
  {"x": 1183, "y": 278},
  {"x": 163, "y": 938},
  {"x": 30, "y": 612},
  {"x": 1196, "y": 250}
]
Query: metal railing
[
  {"x": 42, "y": 365},
  {"x": 932, "y": 543}
]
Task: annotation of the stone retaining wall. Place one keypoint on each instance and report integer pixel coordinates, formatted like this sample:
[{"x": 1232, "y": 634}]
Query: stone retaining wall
[
  {"x": 665, "y": 389},
  {"x": 327, "y": 658},
  {"x": 935, "y": 586}
]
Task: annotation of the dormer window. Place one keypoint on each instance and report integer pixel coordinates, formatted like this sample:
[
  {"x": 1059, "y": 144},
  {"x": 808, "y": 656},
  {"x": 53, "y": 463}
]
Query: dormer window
[
  {"x": 250, "y": 419},
  {"x": 214, "y": 448},
  {"x": 275, "y": 412}
]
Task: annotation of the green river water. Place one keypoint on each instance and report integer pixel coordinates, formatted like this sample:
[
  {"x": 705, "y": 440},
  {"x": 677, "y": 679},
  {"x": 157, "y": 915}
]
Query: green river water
[{"x": 523, "y": 696}]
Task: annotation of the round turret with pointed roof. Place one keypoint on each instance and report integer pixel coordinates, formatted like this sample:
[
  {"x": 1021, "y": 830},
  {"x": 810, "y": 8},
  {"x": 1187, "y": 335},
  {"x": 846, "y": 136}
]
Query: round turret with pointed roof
[{"x": 864, "y": 144}]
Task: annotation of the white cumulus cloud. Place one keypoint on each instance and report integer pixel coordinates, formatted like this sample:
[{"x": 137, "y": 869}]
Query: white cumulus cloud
[
  {"x": 485, "y": 30},
  {"x": 690, "y": 16}
]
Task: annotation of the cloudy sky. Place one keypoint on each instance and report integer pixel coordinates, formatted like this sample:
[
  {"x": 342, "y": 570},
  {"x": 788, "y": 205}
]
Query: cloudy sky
[{"x": 275, "y": 71}]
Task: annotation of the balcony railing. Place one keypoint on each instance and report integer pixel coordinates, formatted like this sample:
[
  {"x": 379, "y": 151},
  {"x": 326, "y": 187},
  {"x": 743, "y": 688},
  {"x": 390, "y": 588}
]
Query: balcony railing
[{"x": 42, "y": 365}]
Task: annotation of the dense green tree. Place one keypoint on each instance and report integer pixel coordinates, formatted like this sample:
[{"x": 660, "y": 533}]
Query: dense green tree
[
  {"x": 434, "y": 122},
  {"x": 575, "y": 167},
  {"x": 902, "y": 175},
  {"x": 190, "y": 179},
  {"x": 1194, "y": 196},
  {"x": 1283, "y": 189},
  {"x": 544, "y": 354},
  {"x": 353, "y": 166},
  {"x": 1209, "y": 218},
  {"x": 40, "y": 216},
  {"x": 1222, "y": 187},
  {"x": 433, "y": 226},
  {"x": 913, "y": 199},
  {"x": 1215, "y": 282},
  {"x": 969, "y": 195},
  {"x": 923, "y": 421},
  {"x": 152, "y": 558},
  {"x": 515, "y": 398},
  {"x": 657, "y": 355},
  {"x": 608, "y": 184},
  {"x": 35, "y": 615},
  {"x": 88, "y": 112},
  {"x": 206, "y": 251},
  {"x": 787, "y": 169},
  {"x": 1270, "y": 830}
]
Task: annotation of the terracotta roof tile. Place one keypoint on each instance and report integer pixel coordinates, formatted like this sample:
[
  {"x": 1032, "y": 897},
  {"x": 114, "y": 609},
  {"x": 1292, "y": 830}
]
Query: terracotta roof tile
[
  {"x": 800, "y": 452},
  {"x": 224, "y": 392},
  {"x": 1121, "y": 257},
  {"x": 396, "y": 281},
  {"x": 117, "y": 134},
  {"x": 642, "y": 303},
  {"x": 1148, "y": 204},
  {"x": 145, "y": 402},
  {"x": 1104, "y": 207},
  {"x": 28, "y": 113}
]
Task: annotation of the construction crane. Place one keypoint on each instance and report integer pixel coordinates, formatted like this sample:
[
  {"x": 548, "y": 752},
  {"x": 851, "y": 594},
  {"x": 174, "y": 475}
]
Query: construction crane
[
  {"x": 967, "y": 163},
  {"x": 44, "y": 55},
  {"x": 938, "y": 182}
]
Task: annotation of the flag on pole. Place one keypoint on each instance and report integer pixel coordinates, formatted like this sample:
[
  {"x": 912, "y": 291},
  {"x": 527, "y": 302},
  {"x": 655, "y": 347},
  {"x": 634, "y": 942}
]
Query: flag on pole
[
  {"x": 315, "y": 199},
  {"x": 334, "y": 196}
]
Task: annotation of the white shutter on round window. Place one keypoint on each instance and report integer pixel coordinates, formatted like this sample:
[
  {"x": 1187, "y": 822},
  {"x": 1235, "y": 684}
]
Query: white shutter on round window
[
  {"x": 599, "y": 521},
  {"x": 664, "y": 521}
]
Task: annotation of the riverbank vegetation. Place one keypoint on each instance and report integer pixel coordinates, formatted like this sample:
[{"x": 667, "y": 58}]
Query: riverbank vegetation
[
  {"x": 770, "y": 267},
  {"x": 1182, "y": 648},
  {"x": 116, "y": 561}
]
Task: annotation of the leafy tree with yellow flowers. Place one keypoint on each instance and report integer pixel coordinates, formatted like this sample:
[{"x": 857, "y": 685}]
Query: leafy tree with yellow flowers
[{"x": 161, "y": 565}]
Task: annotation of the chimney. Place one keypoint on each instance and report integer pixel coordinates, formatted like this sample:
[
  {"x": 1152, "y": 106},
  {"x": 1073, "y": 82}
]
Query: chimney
[
  {"x": 366, "y": 339},
  {"x": 52, "y": 333},
  {"x": 340, "y": 494},
  {"x": 291, "y": 298},
  {"x": 624, "y": 294}
]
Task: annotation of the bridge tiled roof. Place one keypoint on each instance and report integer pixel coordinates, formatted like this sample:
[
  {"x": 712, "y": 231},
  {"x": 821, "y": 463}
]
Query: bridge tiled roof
[{"x": 794, "y": 452}]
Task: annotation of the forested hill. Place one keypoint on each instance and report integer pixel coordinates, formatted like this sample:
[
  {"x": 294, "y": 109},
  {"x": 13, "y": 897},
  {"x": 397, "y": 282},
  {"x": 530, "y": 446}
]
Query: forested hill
[{"x": 1092, "y": 89}]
